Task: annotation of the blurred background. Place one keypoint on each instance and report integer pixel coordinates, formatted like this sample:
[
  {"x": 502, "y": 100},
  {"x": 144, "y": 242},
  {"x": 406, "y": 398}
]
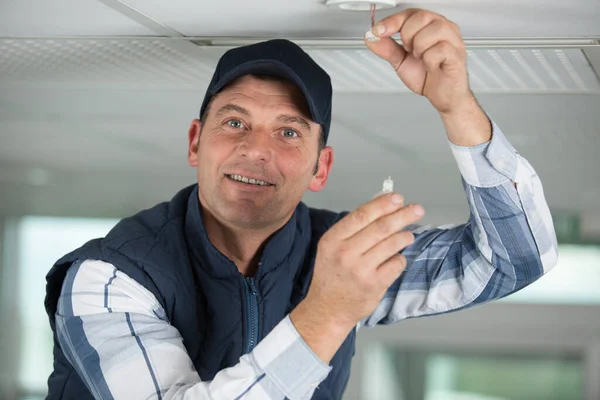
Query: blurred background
[{"x": 96, "y": 97}]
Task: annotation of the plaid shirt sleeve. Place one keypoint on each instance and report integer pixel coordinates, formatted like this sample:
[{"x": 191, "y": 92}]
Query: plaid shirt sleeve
[
  {"x": 117, "y": 337},
  {"x": 507, "y": 243}
]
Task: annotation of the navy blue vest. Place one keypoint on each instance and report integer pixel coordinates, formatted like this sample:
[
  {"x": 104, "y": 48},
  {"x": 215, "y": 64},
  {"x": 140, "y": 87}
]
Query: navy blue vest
[{"x": 212, "y": 305}]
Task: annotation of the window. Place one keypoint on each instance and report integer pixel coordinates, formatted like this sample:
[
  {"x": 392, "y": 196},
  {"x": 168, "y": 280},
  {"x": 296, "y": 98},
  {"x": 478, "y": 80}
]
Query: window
[
  {"x": 408, "y": 374},
  {"x": 574, "y": 280},
  {"x": 41, "y": 241},
  {"x": 502, "y": 377}
]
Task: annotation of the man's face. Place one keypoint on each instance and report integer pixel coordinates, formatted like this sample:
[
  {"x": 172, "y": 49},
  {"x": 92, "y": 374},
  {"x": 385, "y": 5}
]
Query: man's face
[{"x": 262, "y": 130}]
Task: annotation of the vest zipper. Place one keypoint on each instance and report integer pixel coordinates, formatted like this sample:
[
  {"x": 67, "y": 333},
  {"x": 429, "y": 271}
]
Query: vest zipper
[{"x": 251, "y": 314}]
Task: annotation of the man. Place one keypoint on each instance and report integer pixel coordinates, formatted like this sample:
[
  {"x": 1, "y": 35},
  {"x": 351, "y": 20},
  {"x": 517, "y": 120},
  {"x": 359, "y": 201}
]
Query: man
[{"x": 235, "y": 289}]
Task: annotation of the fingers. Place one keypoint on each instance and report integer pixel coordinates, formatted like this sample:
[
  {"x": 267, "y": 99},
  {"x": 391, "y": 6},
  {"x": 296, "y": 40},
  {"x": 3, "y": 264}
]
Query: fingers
[
  {"x": 432, "y": 34},
  {"x": 382, "y": 228},
  {"x": 364, "y": 215},
  {"x": 391, "y": 25},
  {"x": 440, "y": 55},
  {"x": 389, "y": 50},
  {"x": 391, "y": 270},
  {"x": 389, "y": 247},
  {"x": 386, "y": 47},
  {"x": 417, "y": 20},
  {"x": 419, "y": 30}
]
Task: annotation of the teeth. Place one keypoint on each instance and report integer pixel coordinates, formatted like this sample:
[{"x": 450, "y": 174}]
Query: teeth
[{"x": 251, "y": 181}]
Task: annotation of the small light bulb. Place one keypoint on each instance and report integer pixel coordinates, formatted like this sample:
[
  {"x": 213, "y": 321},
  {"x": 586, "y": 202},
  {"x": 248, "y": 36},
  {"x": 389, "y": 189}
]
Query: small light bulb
[
  {"x": 370, "y": 36},
  {"x": 388, "y": 185}
]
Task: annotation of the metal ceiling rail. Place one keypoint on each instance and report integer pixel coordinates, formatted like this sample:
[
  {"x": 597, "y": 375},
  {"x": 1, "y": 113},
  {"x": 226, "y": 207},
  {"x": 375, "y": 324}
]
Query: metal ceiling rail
[{"x": 207, "y": 41}]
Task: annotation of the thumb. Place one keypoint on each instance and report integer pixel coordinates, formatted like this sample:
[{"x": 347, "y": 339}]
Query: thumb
[{"x": 386, "y": 48}]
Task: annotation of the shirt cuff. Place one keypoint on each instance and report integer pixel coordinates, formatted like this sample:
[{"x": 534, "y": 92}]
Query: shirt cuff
[
  {"x": 488, "y": 164},
  {"x": 289, "y": 363}
]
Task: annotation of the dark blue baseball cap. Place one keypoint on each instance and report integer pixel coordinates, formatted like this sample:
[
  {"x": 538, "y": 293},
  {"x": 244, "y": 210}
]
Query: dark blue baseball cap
[{"x": 281, "y": 58}]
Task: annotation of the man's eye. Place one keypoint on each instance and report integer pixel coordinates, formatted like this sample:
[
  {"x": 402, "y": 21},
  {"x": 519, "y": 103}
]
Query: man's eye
[
  {"x": 290, "y": 133},
  {"x": 235, "y": 123}
]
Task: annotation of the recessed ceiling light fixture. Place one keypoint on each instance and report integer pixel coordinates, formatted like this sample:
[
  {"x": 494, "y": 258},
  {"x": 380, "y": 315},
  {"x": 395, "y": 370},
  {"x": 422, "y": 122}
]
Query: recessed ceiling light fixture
[{"x": 361, "y": 5}]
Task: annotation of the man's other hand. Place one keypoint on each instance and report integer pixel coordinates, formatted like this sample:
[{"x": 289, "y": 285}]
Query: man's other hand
[
  {"x": 357, "y": 260},
  {"x": 433, "y": 60}
]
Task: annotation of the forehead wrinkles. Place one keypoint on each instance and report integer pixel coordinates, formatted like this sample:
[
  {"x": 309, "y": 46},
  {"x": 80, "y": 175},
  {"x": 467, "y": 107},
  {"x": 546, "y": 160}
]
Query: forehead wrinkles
[{"x": 268, "y": 98}]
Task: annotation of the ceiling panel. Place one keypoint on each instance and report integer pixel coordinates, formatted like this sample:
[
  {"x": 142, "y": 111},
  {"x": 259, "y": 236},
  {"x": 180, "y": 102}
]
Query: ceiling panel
[
  {"x": 311, "y": 18},
  {"x": 105, "y": 62},
  {"x": 179, "y": 64},
  {"x": 39, "y": 18}
]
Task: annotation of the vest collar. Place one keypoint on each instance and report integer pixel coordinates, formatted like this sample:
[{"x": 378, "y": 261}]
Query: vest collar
[{"x": 215, "y": 263}]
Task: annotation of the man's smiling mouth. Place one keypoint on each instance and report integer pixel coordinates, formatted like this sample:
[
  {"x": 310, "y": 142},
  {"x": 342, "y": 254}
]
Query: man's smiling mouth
[{"x": 249, "y": 181}]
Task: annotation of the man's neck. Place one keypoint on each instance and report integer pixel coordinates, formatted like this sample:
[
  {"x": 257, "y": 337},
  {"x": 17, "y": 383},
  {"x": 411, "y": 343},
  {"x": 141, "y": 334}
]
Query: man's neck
[{"x": 243, "y": 247}]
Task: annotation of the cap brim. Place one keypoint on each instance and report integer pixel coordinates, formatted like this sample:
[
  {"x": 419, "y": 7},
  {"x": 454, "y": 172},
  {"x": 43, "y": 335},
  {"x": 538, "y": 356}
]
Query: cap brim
[{"x": 272, "y": 68}]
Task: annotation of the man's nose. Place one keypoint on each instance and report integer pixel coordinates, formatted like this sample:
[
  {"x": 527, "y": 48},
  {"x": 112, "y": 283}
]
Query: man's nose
[{"x": 257, "y": 145}]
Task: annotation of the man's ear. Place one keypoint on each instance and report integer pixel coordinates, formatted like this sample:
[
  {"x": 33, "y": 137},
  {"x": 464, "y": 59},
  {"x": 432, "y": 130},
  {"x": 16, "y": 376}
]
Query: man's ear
[
  {"x": 193, "y": 138},
  {"x": 325, "y": 164}
]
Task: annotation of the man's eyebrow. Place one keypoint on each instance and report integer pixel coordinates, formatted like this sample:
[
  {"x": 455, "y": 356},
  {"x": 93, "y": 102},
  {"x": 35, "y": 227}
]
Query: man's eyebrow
[
  {"x": 290, "y": 119},
  {"x": 232, "y": 107}
]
